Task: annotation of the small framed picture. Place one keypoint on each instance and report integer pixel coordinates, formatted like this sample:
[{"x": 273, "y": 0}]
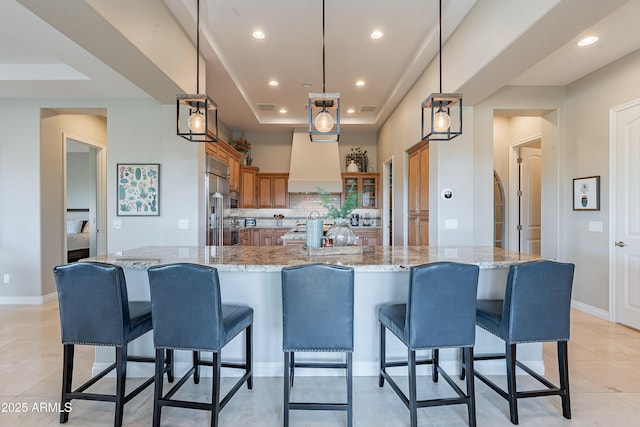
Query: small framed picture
[
  {"x": 138, "y": 189},
  {"x": 586, "y": 193}
]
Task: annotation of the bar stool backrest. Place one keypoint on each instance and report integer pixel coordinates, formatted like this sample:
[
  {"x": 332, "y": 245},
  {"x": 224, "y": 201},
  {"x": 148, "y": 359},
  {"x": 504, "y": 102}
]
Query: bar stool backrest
[
  {"x": 317, "y": 308},
  {"x": 441, "y": 310},
  {"x": 537, "y": 302},
  {"x": 93, "y": 303},
  {"x": 186, "y": 307}
]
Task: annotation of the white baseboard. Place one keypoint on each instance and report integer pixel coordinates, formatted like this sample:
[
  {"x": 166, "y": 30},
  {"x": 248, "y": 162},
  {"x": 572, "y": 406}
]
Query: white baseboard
[
  {"x": 28, "y": 300},
  {"x": 593, "y": 311}
]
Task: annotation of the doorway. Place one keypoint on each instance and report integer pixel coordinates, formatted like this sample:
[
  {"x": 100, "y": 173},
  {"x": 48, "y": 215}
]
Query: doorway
[
  {"x": 624, "y": 290},
  {"x": 84, "y": 175}
]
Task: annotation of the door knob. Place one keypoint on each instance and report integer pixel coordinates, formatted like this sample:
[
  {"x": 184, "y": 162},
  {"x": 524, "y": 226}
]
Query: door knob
[{"x": 620, "y": 244}]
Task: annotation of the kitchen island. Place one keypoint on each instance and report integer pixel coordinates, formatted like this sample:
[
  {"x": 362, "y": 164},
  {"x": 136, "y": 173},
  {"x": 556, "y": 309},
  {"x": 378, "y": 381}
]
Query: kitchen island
[{"x": 251, "y": 275}]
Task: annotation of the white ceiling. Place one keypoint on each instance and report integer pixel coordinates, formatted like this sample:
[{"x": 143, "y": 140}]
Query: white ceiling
[{"x": 47, "y": 61}]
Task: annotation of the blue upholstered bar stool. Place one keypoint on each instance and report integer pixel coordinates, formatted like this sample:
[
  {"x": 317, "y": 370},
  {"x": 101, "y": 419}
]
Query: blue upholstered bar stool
[
  {"x": 536, "y": 308},
  {"x": 440, "y": 313},
  {"x": 317, "y": 316},
  {"x": 95, "y": 310},
  {"x": 188, "y": 315}
]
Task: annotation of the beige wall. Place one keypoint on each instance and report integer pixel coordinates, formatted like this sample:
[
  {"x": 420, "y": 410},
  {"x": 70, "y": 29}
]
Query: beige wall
[
  {"x": 588, "y": 103},
  {"x": 271, "y": 152}
]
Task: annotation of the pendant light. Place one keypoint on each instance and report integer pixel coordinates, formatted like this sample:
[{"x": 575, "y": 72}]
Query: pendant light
[
  {"x": 194, "y": 110},
  {"x": 444, "y": 109},
  {"x": 324, "y": 108}
]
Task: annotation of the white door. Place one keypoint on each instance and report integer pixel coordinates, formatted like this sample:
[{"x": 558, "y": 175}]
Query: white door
[
  {"x": 530, "y": 200},
  {"x": 626, "y": 214}
]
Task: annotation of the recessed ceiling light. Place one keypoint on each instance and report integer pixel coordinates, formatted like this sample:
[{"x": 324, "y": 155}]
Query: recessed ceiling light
[
  {"x": 306, "y": 85},
  {"x": 360, "y": 83},
  {"x": 376, "y": 34},
  {"x": 273, "y": 83},
  {"x": 283, "y": 111},
  {"x": 351, "y": 111},
  {"x": 587, "y": 41},
  {"x": 258, "y": 35}
]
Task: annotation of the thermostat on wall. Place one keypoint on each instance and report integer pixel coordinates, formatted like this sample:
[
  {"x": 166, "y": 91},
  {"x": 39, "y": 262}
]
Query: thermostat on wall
[{"x": 447, "y": 194}]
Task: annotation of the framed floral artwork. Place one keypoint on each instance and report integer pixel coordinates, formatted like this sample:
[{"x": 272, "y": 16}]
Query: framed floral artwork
[
  {"x": 586, "y": 193},
  {"x": 138, "y": 189}
]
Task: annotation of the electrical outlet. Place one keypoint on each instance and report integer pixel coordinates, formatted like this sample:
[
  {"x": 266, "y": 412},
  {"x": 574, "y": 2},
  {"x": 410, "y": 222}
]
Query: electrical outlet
[{"x": 7, "y": 278}]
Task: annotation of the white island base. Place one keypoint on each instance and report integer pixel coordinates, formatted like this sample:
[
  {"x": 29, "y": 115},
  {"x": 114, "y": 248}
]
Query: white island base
[{"x": 259, "y": 287}]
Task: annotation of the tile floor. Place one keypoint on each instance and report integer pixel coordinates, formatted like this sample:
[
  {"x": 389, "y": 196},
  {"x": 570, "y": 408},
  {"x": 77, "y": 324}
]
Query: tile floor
[{"x": 604, "y": 374}]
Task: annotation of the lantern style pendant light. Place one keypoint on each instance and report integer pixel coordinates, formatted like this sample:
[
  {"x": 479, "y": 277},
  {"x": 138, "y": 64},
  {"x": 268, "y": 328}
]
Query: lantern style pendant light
[
  {"x": 195, "y": 110},
  {"x": 324, "y": 108},
  {"x": 444, "y": 109}
]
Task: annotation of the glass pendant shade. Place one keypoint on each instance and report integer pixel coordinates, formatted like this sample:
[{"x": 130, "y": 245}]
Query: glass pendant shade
[
  {"x": 442, "y": 121},
  {"x": 197, "y": 122},
  {"x": 323, "y": 122}
]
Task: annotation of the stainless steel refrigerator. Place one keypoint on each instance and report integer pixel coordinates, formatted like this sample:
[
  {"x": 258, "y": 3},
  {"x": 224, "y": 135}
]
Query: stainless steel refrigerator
[{"x": 218, "y": 205}]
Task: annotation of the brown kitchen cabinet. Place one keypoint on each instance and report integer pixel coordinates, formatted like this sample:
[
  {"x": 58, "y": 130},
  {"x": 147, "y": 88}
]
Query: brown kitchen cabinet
[
  {"x": 368, "y": 236},
  {"x": 418, "y": 215},
  {"x": 248, "y": 186},
  {"x": 244, "y": 236},
  {"x": 365, "y": 184},
  {"x": 267, "y": 236},
  {"x": 273, "y": 190}
]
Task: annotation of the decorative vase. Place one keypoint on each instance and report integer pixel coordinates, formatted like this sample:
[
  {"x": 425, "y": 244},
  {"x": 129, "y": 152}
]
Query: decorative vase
[
  {"x": 248, "y": 160},
  {"x": 352, "y": 167},
  {"x": 341, "y": 233}
]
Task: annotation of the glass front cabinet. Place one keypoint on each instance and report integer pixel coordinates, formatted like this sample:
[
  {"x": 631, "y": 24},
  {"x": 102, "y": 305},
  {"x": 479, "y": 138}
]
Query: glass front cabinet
[{"x": 365, "y": 184}]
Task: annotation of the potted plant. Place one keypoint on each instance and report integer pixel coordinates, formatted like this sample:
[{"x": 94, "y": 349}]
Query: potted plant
[
  {"x": 340, "y": 231},
  {"x": 242, "y": 146}
]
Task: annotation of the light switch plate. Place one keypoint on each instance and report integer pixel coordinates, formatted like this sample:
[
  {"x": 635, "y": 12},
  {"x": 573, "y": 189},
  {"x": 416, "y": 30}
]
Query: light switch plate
[
  {"x": 117, "y": 223},
  {"x": 183, "y": 224}
]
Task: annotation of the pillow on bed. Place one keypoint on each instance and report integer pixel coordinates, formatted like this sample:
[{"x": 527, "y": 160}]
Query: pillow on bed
[{"x": 73, "y": 226}]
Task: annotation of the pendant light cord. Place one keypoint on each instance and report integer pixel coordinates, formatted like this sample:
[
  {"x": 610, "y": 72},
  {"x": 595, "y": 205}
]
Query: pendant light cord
[
  {"x": 323, "y": 44},
  {"x": 440, "y": 39},
  {"x": 198, "y": 48}
]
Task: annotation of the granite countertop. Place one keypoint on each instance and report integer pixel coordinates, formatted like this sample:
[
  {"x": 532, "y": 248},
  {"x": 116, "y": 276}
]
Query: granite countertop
[{"x": 273, "y": 258}]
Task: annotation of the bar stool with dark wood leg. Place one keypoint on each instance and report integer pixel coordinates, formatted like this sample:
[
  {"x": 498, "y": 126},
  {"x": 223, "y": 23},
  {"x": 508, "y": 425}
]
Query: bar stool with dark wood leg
[
  {"x": 188, "y": 314},
  {"x": 317, "y": 316},
  {"x": 439, "y": 313},
  {"x": 536, "y": 308},
  {"x": 95, "y": 310}
]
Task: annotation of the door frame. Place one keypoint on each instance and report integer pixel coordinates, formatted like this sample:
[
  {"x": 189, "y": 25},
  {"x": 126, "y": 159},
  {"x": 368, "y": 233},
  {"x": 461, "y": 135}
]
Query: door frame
[
  {"x": 613, "y": 218},
  {"x": 387, "y": 171},
  {"x": 101, "y": 189},
  {"x": 511, "y": 219}
]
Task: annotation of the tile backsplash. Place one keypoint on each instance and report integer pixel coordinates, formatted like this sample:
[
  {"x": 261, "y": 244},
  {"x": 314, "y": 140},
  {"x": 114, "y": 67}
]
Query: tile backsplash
[{"x": 300, "y": 207}]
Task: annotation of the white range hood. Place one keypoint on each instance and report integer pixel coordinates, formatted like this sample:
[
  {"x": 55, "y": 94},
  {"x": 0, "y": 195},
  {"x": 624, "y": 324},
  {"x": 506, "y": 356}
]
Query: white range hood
[{"x": 314, "y": 165}]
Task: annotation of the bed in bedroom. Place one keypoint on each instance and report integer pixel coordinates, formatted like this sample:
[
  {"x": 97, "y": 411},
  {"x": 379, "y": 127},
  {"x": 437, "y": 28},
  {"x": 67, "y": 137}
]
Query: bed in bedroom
[{"x": 77, "y": 234}]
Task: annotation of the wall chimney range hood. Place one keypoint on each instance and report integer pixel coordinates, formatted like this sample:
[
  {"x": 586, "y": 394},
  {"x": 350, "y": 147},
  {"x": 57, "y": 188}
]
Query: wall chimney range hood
[{"x": 314, "y": 165}]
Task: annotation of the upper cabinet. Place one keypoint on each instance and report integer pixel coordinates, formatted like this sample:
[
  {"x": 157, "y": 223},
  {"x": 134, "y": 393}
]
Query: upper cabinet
[
  {"x": 273, "y": 190},
  {"x": 248, "y": 186},
  {"x": 365, "y": 184}
]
